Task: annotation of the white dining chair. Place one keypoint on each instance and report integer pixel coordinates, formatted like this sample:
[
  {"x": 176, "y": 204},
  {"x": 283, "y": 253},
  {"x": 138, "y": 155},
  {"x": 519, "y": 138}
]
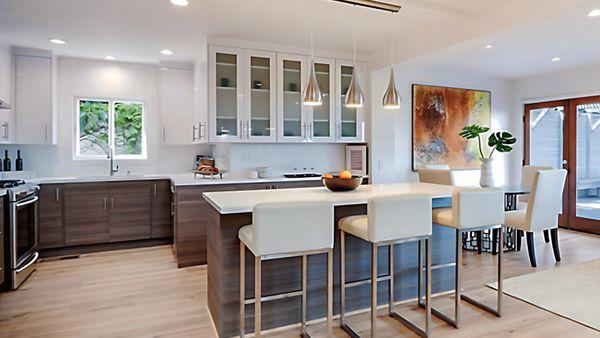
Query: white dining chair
[
  {"x": 281, "y": 230},
  {"x": 527, "y": 175},
  {"x": 435, "y": 176},
  {"x": 543, "y": 208}
]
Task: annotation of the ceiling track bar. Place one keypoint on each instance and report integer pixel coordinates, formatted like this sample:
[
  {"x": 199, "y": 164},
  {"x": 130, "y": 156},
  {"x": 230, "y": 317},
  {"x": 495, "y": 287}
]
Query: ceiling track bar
[{"x": 382, "y": 6}]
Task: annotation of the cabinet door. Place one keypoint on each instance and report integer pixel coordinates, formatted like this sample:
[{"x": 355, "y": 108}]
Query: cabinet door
[
  {"x": 200, "y": 92},
  {"x": 175, "y": 102},
  {"x": 350, "y": 121},
  {"x": 86, "y": 213},
  {"x": 34, "y": 104},
  {"x": 292, "y": 74},
  {"x": 321, "y": 121},
  {"x": 129, "y": 211},
  {"x": 6, "y": 116},
  {"x": 162, "y": 221},
  {"x": 50, "y": 220},
  {"x": 260, "y": 96},
  {"x": 2, "y": 267},
  {"x": 226, "y": 94}
]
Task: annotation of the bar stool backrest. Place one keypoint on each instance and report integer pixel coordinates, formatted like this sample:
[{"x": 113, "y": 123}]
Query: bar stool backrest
[
  {"x": 527, "y": 175},
  {"x": 477, "y": 207},
  {"x": 545, "y": 202},
  {"x": 436, "y": 176},
  {"x": 287, "y": 227},
  {"x": 395, "y": 217}
]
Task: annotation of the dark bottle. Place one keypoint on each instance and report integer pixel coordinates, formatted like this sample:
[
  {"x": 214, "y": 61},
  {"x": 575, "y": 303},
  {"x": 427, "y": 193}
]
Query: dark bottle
[
  {"x": 6, "y": 161},
  {"x": 19, "y": 162}
]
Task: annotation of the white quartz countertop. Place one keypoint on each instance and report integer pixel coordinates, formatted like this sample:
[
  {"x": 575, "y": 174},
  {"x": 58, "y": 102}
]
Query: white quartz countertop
[
  {"x": 231, "y": 202},
  {"x": 179, "y": 179}
]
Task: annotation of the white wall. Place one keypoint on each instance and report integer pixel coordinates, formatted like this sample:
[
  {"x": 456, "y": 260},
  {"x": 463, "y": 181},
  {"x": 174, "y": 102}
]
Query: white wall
[
  {"x": 105, "y": 79},
  {"x": 391, "y": 130}
]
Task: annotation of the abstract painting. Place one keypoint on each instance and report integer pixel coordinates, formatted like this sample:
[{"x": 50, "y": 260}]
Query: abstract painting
[{"x": 439, "y": 113}]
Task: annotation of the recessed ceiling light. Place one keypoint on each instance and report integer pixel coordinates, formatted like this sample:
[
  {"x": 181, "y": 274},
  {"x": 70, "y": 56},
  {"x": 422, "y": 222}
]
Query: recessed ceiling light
[
  {"x": 489, "y": 46},
  {"x": 109, "y": 57},
  {"x": 555, "y": 59},
  {"x": 57, "y": 41},
  {"x": 594, "y": 13},
  {"x": 166, "y": 52},
  {"x": 180, "y": 2}
]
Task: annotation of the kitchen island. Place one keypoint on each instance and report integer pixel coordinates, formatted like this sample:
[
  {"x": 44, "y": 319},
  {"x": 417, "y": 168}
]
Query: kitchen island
[{"x": 233, "y": 209}]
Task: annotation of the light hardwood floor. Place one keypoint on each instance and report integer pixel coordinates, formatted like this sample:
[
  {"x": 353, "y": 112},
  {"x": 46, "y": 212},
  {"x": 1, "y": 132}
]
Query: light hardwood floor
[{"x": 141, "y": 293}]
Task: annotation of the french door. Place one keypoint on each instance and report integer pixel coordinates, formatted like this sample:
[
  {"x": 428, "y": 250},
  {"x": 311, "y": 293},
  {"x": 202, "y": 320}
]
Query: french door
[{"x": 566, "y": 134}]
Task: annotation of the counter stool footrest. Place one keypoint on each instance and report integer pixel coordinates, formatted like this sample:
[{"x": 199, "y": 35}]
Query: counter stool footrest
[
  {"x": 480, "y": 305},
  {"x": 408, "y": 324},
  {"x": 450, "y": 321},
  {"x": 276, "y": 296}
]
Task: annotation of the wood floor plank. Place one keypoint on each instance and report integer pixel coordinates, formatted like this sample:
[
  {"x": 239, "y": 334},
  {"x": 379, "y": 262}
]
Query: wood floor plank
[{"x": 141, "y": 293}]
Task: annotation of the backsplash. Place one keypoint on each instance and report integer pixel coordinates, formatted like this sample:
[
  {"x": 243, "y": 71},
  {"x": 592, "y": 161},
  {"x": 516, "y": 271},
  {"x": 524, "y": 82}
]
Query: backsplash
[{"x": 282, "y": 158}]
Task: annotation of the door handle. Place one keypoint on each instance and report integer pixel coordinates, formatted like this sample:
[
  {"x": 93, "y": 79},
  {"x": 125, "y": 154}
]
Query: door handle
[
  {"x": 201, "y": 130},
  {"x": 241, "y": 132},
  {"x": 248, "y": 130},
  {"x": 104, "y": 203},
  {"x": 57, "y": 194},
  {"x": 164, "y": 134},
  {"x": 112, "y": 203},
  {"x": 154, "y": 189},
  {"x": 194, "y": 138}
]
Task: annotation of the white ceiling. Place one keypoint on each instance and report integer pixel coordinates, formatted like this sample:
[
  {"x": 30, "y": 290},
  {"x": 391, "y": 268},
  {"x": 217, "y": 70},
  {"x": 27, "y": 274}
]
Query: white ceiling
[{"x": 136, "y": 30}]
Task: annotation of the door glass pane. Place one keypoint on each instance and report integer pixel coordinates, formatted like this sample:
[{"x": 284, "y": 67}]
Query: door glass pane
[
  {"x": 348, "y": 114},
  {"x": 546, "y": 137},
  {"x": 260, "y": 97},
  {"x": 226, "y": 100},
  {"x": 322, "y": 113},
  {"x": 291, "y": 98},
  {"x": 588, "y": 161}
]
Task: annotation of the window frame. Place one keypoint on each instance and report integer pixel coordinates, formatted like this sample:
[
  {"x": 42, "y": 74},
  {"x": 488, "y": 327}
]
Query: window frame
[{"x": 111, "y": 129}]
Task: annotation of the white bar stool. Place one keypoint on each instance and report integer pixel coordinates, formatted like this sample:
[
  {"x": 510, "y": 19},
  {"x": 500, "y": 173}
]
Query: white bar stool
[
  {"x": 281, "y": 230},
  {"x": 390, "y": 220},
  {"x": 472, "y": 210},
  {"x": 541, "y": 213}
]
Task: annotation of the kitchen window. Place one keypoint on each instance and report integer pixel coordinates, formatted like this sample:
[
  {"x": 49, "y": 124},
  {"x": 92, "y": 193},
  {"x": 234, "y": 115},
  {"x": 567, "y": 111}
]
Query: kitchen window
[{"x": 103, "y": 124}]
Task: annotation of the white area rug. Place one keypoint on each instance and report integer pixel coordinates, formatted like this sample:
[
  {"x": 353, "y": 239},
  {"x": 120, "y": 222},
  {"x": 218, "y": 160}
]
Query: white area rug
[{"x": 572, "y": 291}]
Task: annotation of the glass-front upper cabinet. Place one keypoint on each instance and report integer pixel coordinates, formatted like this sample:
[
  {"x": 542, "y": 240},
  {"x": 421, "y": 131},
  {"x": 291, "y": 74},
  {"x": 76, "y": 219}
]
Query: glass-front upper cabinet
[
  {"x": 350, "y": 121},
  {"x": 321, "y": 121},
  {"x": 291, "y": 113},
  {"x": 226, "y": 94},
  {"x": 260, "y": 97}
]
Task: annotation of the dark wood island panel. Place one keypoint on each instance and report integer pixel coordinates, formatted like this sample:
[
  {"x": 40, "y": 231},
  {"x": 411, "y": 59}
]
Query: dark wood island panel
[{"x": 284, "y": 275}]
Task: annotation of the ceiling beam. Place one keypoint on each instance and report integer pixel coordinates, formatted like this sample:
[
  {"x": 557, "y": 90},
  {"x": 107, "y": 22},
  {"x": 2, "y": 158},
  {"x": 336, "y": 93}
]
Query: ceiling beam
[{"x": 382, "y": 6}]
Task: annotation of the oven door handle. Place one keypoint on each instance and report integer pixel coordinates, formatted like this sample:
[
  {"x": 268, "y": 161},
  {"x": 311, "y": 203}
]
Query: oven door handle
[
  {"x": 33, "y": 260},
  {"x": 27, "y": 201}
]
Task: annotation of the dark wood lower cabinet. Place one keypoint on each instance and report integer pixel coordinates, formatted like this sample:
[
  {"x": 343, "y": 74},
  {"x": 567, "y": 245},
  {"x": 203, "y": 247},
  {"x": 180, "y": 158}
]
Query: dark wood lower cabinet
[
  {"x": 50, "y": 216},
  {"x": 86, "y": 213},
  {"x": 162, "y": 207},
  {"x": 2, "y": 227},
  {"x": 130, "y": 211}
]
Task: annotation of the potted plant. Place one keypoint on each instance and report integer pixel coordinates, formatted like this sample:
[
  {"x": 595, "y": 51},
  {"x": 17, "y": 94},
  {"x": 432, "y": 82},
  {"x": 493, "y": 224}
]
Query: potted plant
[{"x": 500, "y": 141}]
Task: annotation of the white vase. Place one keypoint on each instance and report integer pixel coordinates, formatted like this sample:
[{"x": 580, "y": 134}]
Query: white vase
[{"x": 487, "y": 172}]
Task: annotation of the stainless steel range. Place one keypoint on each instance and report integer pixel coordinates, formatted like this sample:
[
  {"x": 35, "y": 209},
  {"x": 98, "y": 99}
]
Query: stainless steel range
[{"x": 21, "y": 226}]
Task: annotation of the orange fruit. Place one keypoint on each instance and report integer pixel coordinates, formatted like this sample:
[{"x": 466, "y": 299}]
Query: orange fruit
[
  {"x": 345, "y": 175},
  {"x": 327, "y": 176}
]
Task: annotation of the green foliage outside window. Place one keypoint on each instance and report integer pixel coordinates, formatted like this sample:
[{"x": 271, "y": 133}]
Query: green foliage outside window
[
  {"x": 93, "y": 128},
  {"x": 128, "y": 128}
]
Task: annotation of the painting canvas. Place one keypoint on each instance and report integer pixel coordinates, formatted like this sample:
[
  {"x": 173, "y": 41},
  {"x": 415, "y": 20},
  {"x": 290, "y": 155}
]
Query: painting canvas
[{"x": 439, "y": 113}]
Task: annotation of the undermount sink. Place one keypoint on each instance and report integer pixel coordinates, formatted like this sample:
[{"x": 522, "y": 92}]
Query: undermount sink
[{"x": 303, "y": 175}]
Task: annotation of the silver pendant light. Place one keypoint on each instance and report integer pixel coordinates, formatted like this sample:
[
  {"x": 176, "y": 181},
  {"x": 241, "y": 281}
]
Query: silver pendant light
[
  {"x": 354, "y": 95},
  {"x": 312, "y": 93},
  {"x": 391, "y": 99}
]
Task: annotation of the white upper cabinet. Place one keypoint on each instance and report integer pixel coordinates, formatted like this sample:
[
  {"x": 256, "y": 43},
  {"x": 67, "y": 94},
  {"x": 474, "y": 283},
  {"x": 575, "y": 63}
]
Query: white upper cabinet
[
  {"x": 6, "y": 115},
  {"x": 321, "y": 119},
  {"x": 176, "y": 106},
  {"x": 226, "y": 94},
  {"x": 350, "y": 121},
  {"x": 35, "y": 118},
  {"x": 291, "y": 113},
  {"x": 259, "y": 118}
]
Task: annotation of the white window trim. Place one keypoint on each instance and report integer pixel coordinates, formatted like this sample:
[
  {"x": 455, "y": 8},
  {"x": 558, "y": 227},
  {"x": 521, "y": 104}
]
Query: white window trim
[{"x": 111, "y": 128}]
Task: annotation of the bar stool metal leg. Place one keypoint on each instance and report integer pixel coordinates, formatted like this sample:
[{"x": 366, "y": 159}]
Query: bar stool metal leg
[
  {"x": 343, "y": 281},
  {"x": 304, "y": 282},
  {"x": 329, "y": 290},
  {"x": 391, "y": 287},
  {"x": 427, "y": 287},
  {"x": 373, "y": 290},
  {"x": 242, "y": 289},
  {"x": 257, "y": 297}
]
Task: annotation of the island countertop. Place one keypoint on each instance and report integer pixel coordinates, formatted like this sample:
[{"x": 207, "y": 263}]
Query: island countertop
[{"x": 231, "y": 202}]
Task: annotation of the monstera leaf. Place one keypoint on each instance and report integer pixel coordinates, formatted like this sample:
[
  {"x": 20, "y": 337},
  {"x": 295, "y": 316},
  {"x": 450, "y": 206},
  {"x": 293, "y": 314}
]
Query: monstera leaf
[
  {"x": 473, "y": 131},
  {"x": 501, "y": 141}
]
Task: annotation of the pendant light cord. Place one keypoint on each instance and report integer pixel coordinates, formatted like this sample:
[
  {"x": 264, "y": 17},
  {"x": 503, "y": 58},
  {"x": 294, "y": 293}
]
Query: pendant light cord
[
  {"x": 312, "y": 32},
  {"x": 354, "y": 35},
  {"x": 392, "y": 40}
]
